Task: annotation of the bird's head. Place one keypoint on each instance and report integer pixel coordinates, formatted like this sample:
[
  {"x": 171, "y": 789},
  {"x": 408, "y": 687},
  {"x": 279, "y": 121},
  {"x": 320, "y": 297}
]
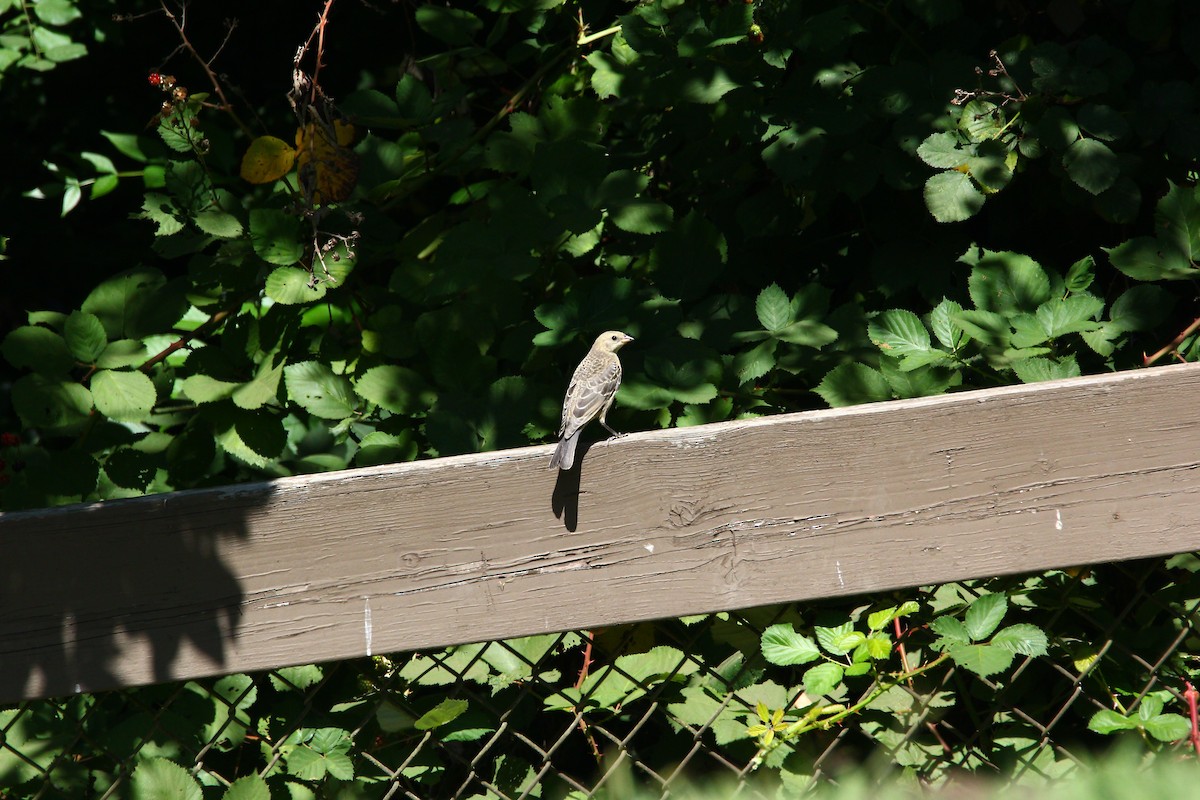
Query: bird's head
[{"x": 612, "y": 341}]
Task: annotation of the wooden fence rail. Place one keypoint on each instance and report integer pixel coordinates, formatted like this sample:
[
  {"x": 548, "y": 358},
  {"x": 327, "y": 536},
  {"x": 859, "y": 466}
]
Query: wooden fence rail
[{"x": 660, "y": 524}]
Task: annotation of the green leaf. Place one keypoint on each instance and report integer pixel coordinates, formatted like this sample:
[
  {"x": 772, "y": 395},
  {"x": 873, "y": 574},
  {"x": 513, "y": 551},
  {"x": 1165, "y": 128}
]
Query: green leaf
[
  {"x": 1145, "y": 259},
  {"x": 453, "y": 26},
  {"x": 850, "y": 384},
  {"x": 879, "y": 645},
  {"x": 206, "y": 389},
  {"x": 161, "y": 210},
  {"x": 912, "y": 378},
  {"x": 1006, "y": 282},
  {"x": 1033, "y": 370},
  {"x": 1091, "y": 165},
  {"x": 444, "y": 712},
  {"x": 952, "y": 629},
  {"x": 218, "y": 223},
  {"x": 248, "y": 787},
  {"x": 686, "y": 382},
  {"x": 1081, "y": 274},
  {"x": 984, "y": 615},
  {"x": 773, "y": 308},
  {"x": 315, "y": 388},
  {"x": 123, "y": 396},
  {"x": 840, "y": 640},
  {"x": 413, "y": 100},
  {"x": 1070, "y": 314},
  {"x": 44, "y": 402},
  {"x": 945, "y": 327},
  {"x": 39, "y": 349},
  {"x": 85, "y": 336},
  {"x": 822, "y": 679},
  {"x": 1023, "y": 638},
  {"x": 898, "y": 333},
  {"x": 877, "y": 620},
  {"x": 122, "y": 353},
  {"x": 160, "y": 779},
  {"x": 398, "y": 389},
  {"x": 296, "y": 679},
  {"x": 1108, "y": 721},
  {"x": 942, "y": 151},
  {"x": 951, "y": 197},
  {"x": 808, "y": 333},
  {"x": 1177, "y": 218},
  {"x": 781, "y": 645},
  {"x": 1150, "y": 706},
  {"x": 56, "y": 12},
  {"x": 292, "y": 286},
  {"x": 277, "y": 236},
  {"x": 131, "y": 469},
  {"x": 642, "y": 216},
  {"x": 256, "y": 438},
  {"x": 264, "y": 389},
  {"x": 190, "y": 454},
  {"x": 752, "y": 364},
  {"x": 1168, "y": 727},
  {"x": 127, "y": 303},
  {"x": 127, "y": 144},
  {"x": 982, "y": 659},
  {"x": 1028, "y": 331},
  {"x": 633, "y": 676},
  {"x": 1103, "y": 122},
  {"x": 986, "y": 327},
  {"x": 1141, "y": 308},
  {"x": 706, "y": 82}
]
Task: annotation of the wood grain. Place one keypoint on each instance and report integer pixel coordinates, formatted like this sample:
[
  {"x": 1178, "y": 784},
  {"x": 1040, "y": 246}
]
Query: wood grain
[{"x": 653, "y": 525}]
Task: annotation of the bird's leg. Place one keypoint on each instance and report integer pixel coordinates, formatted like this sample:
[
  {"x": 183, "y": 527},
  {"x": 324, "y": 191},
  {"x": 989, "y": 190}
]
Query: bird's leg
[{"x": 609, "y": 428}]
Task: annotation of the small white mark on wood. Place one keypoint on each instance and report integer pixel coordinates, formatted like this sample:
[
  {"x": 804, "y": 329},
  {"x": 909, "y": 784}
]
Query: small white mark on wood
[
  {"x": 649, "y": 548},
  {"x": 841, "y": 581},
  {"x": 282, "y": 604},
  {"x": 367, "y": 625},
  {"x": 1058, "y": 519}
]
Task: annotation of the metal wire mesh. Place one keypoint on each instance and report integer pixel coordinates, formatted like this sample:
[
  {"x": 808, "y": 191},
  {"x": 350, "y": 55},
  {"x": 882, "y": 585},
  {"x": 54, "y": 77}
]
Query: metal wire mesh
[{"x": 653, "y": 705}]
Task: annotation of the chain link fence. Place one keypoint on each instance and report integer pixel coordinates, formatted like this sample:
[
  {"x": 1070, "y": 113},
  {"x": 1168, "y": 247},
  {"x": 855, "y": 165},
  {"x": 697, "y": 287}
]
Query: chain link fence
[{"x": 653, "y": 706}]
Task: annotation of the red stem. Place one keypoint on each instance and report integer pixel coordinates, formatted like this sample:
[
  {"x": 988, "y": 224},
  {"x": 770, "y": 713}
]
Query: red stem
[{"x": 1191, "y": 696}]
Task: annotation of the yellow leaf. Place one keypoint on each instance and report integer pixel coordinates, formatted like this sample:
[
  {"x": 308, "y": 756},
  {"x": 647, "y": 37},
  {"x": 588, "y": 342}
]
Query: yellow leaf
[
  {"x": 267, "y": 159},
  {"x": 327, "y": 168}
]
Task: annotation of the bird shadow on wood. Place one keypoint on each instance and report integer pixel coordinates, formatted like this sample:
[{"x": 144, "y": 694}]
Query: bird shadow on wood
[{"x": 565, "y": 500}]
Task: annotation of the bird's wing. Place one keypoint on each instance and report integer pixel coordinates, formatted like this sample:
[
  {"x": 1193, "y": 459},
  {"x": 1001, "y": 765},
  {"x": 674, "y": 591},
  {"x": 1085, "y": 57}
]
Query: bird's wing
[{"x": 592, "y": 387}]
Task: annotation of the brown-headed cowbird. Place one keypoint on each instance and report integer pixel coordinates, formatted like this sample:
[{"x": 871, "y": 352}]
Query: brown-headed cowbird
[{"x": 592, "y": 389}]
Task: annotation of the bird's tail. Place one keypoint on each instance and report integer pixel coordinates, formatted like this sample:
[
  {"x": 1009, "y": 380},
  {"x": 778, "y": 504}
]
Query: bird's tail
[{"x": 564, "y": 454}]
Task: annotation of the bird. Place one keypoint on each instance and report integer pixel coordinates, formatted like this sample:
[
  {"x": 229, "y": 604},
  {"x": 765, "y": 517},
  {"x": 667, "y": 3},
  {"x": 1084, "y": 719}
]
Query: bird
[{"x": 593, "y": 387}]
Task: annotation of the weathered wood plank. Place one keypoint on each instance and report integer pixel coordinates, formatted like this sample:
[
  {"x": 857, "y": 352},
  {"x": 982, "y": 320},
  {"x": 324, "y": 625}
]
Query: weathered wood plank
[{"x": 658, "y": 524}]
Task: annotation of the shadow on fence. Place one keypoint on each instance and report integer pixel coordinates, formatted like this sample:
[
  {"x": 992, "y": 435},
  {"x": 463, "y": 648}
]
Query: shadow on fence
[{"x": 670, "y": 702}]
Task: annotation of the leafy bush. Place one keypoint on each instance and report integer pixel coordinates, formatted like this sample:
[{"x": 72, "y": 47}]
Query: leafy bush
[
  {"x": 787, "y": 203},
  {"x": 411, "y": 269}
]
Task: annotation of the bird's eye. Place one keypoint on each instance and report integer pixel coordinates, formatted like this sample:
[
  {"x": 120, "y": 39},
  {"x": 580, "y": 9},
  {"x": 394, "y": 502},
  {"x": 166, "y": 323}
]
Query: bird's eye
[{"x": 614, "y": 338}]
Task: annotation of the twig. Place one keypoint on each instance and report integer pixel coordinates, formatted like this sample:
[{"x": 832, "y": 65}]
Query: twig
[
  {"x": 1173, "y": 346},
  {"x": 509, "y": 107},
  {"x": 179, "y": 23},
  {"x": 208, "y": 325},
  {"x": 962, "y": 95},
  {"x": 1191, "y": 696},
  {"x": 587, "y": 660},
  {"x": 583, "y": 673}
]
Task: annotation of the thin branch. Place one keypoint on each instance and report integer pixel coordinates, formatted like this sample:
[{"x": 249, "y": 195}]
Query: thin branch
[
  {"x": 208, "y": 325},
  {"x": 179, "y": 23},
  {"x": 1173, "y": 346}
]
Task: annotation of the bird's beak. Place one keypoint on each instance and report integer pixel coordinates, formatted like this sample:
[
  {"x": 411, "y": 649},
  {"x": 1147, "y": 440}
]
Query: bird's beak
[{"x": 628, "y": 338}]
